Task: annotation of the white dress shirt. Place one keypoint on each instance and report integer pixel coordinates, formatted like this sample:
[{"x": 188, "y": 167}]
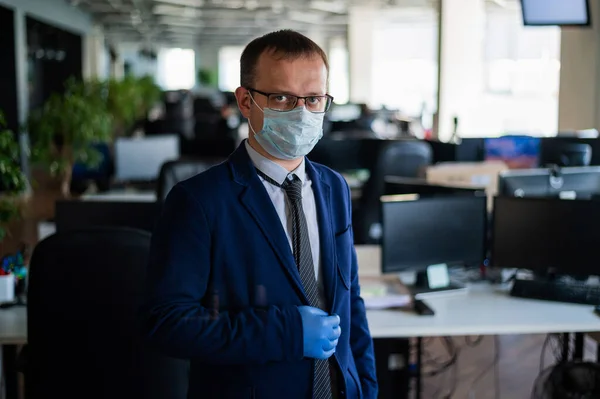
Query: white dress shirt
[{"x": 282, "y": 206}]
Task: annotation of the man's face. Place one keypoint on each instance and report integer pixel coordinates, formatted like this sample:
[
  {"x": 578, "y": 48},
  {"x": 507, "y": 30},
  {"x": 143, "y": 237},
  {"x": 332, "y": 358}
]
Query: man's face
[{"x": 305, "y": 76}]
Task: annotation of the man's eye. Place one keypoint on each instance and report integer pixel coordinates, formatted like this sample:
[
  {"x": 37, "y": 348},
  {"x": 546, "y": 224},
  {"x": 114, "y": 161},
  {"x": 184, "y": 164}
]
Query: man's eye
[
  {"x": 280, "y": 98},
  {"x": 314, "y": 100}
]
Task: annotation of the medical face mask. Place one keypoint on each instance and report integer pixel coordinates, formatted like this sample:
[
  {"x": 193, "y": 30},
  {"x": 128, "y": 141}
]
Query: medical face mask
[{"x": 291, "y": 134}]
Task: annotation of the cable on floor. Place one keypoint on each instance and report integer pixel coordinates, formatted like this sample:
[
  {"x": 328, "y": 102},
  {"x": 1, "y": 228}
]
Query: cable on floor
[
  {"x": 473, "y": 342},
  {"x": 492, "y": 366},
  {"x": 543, "y": 354},
  {"x": 442, "y": 366}
]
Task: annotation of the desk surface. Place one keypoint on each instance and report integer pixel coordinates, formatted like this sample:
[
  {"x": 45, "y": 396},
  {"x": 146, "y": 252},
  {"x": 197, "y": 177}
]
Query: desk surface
[
  {"x": 482, "y": 309},
  {"x": 13, "y": 325}
]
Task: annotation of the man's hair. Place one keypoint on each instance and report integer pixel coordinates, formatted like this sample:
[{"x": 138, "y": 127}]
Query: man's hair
[{"x": 286, "y": 44}]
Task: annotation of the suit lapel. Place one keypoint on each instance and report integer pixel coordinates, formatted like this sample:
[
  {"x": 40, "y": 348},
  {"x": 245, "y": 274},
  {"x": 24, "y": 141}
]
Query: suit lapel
[
  {"x": 256, "y": 201},
  {"x": 322, "y": 193}
]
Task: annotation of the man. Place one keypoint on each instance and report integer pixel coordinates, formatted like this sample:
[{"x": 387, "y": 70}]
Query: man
[{"x": 253, "y": 273}]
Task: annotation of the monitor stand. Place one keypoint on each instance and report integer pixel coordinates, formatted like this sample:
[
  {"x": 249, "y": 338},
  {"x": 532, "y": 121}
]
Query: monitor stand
[{"x": 434, "y": 280}]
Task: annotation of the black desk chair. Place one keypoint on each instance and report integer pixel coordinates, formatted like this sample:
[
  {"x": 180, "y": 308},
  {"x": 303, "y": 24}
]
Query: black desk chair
[
  {"x": 173, "y": 172},
  {"x": 402, "y": 158},
  {"x": 85, "y": 288}
]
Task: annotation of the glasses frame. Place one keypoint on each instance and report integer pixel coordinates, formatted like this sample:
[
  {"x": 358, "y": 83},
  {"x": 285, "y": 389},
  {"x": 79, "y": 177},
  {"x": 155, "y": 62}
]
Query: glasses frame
[{"x": 329, "y": 97}]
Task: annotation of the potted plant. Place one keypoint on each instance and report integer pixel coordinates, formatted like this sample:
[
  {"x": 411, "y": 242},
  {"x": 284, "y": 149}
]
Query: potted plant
[
  {"x": 64, "y": 130},
  {"x": 12, "y": 180},
  {"x": 129, "y": 101}
]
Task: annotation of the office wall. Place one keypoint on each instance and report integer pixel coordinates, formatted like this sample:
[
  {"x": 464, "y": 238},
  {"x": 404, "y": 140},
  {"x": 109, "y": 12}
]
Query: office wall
[
  {"x": 8, "y": 87},
  {"x": 55, "y": 12},
  {"x": 579, "y": 97}
]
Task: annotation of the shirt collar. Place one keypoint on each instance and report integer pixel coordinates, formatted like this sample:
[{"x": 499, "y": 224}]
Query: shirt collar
[{"x": 272, "y": 169}]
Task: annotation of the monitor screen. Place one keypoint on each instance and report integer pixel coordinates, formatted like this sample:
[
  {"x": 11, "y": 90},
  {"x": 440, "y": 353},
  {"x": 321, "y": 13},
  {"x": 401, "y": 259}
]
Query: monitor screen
[
  {"x": 518, "y": 152},
  {"x": 555, "y": 12},
  {"x": 546, "y": 233},
  {"x": 429, "y": 231},
  {"x": 140, "y": 159}
]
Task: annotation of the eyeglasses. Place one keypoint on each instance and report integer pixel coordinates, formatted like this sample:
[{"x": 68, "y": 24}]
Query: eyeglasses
[{"x": 287, "y": 102}]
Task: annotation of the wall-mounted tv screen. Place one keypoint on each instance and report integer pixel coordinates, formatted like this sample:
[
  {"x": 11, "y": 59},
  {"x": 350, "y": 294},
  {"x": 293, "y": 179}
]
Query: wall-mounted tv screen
[{"x": 556, "y": 12}]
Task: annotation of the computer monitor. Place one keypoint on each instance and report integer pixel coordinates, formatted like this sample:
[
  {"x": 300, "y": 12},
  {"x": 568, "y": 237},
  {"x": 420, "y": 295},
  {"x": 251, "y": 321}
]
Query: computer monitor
[
  {"x": 524, "y": 183},
  {"x": 565, "y": 183},
  {"x": 517, "y": 152},
  {"x": 423, "y": 234},
  {"x": 396, "y": 185},
  {"x": 75, "y": 214},
  {"x": 546, "y": 235},
  {"x": 344, "y": 112},
  {"x": 140, "y": 159},
  {"x": 555, "y": 12}
]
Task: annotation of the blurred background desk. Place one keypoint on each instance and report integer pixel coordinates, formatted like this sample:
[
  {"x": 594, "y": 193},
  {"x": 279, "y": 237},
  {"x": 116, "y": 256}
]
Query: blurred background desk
[{"x": 13, "y": 332}]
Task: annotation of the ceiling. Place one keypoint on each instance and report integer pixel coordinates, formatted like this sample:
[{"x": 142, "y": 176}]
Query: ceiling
[
  {"x": 222, "y": 22},
  {"x": 195, "y": 23}
]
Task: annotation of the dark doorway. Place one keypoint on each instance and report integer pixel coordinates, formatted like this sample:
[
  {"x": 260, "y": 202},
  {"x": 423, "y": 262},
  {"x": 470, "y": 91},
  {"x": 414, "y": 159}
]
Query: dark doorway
[
  {"x": 54, "y": 55},
  {"x": 8, "y": 69}
]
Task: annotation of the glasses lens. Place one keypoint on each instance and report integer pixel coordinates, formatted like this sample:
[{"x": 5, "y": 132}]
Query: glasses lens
[
  {"x": 282, "y": 102},
  {"x": 285, "y": 102},
  {"x": 318, "y": 103}
]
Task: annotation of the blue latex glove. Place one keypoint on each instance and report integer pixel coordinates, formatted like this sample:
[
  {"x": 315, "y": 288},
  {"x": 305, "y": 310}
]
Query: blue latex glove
[{"x": 320, "y": 331}]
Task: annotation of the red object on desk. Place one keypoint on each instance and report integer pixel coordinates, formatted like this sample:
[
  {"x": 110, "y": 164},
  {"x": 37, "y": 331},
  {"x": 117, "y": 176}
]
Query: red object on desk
[{"x": 3, "y": 272}]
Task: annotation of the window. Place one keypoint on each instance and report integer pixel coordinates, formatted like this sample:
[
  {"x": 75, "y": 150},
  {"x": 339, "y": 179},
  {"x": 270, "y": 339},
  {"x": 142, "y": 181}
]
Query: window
[
  {"x": 405, "y": 61},
  {"x": 176, "y": 69},
  {"x": 229, "y": 67},
  {"x": 338, "y": 70},
  {"x": 522, "y": 75}
]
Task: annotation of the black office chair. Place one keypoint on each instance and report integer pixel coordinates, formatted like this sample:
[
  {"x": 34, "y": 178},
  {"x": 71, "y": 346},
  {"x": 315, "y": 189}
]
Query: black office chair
[
  {"x": 575, "y": 154},
  {"x": 173, "y": 172},
  {"x": 85, "y": 288},
  {"x": 403, "y": 158}
]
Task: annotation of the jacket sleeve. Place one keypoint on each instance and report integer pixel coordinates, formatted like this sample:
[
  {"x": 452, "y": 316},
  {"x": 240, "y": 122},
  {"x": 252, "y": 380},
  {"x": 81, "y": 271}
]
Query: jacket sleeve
[
  {"x": 361, "y": 343},
  {"x": 173, "y": 318}
]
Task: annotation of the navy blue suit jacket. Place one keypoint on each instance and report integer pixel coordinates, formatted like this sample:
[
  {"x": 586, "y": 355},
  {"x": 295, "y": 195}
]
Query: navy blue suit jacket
[{"x": 223, "y": 287}]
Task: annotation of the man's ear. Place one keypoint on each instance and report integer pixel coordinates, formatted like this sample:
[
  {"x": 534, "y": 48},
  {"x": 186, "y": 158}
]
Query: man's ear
[{"x": 243, "y": 100}]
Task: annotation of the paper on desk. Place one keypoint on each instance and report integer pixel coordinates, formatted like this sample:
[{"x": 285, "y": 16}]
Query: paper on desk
[{"x": 386, "y": 301}]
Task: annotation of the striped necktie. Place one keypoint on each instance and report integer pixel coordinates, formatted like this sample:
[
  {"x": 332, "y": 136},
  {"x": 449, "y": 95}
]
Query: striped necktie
[{"x": 303, "y": 257}]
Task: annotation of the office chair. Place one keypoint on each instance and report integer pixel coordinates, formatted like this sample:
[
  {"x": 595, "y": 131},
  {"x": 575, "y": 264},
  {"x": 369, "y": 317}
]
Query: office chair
[
  {"x": 85, "y": 288},
  {"x": 575, "y": 154},
  {"x": 402, "y": 158},
  {"x": 173, "y": 172}
]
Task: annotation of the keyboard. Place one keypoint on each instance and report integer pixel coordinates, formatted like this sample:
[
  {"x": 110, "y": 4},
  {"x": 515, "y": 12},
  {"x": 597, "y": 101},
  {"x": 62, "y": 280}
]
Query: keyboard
[{"x": 558, "y": 291}]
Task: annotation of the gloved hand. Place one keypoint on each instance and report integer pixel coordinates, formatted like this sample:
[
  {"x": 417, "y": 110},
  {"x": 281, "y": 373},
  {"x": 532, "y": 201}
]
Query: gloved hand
[{"x": 320, "y": 332}]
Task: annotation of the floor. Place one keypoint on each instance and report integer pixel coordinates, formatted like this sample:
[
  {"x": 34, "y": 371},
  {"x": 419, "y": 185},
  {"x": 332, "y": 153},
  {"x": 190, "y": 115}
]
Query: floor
[{"x": 517, "y": 368}]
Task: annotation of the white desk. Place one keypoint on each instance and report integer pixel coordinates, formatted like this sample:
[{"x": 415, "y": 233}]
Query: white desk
[
  {"x": 13, "y": 326},
  {"x": 481, "y": 310},
  {"x": 122, "y": 196}
]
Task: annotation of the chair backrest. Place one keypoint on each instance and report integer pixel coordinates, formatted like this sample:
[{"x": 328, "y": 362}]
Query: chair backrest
[
  {"x": 575, "y": 154},
  {"x": 173, "y": 172},
  {"x": 404, "y": 158},
  {"x": 85, "y": 288}
]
